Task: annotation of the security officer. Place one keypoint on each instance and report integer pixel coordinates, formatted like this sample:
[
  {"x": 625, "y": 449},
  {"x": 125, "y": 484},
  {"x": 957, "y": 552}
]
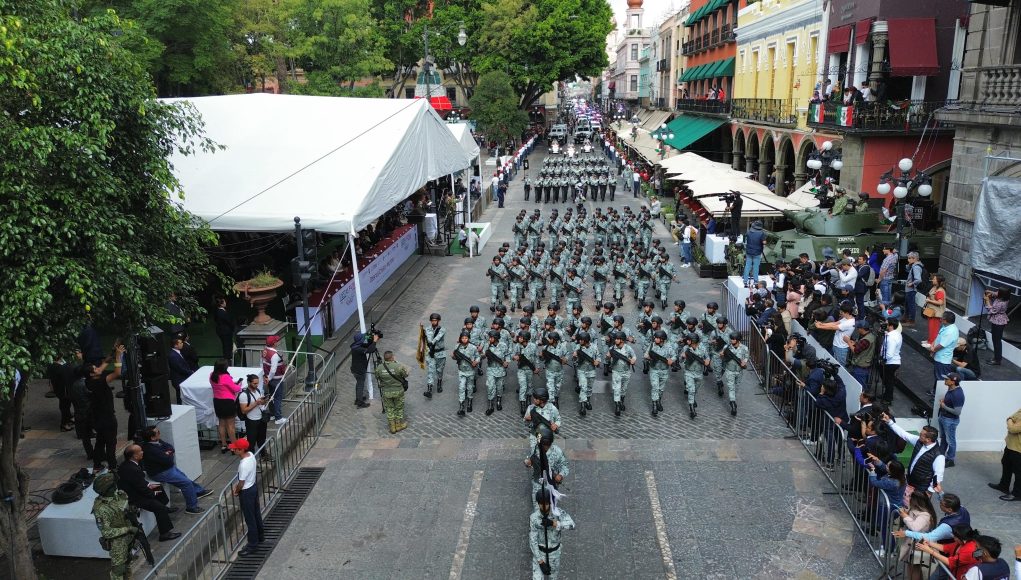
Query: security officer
[
  {"x": 497, "y": 275},
  {"x": 518, "y": 275},
  {"x": 497, "y": 361},
  {"x": 696, "y": 360},
  {"x": 391, "y": 376},
  {"x": 111, "y": 511},
  {"x": 555, "y": 459},
  {"x": 554, "y": 355},
  {"x": 660, "y": 357},
  {"x": 735, "y": 360},
  {"x": 467, "y": 356},
  {"x": 586, "y": 356},
  {"x": 524, "y": 354},
  {"x": 621, "y": 360},
  {"x": 664, "y": 275},
  {"x": 436, "y": 355},
  {"x": 544, "y": 536}
]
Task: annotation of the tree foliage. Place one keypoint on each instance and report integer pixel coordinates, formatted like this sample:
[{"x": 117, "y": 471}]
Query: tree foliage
[
  {"x": 494, "y": 107},
  {"x": 88, "y": 227},
  {"x": 339, "y": 40}
]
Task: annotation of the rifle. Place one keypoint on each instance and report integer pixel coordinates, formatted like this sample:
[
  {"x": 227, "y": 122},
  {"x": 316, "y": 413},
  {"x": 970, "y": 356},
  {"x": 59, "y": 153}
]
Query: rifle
[
  {"x": 618, "y": 274},
  {"x": 656, "y": 357},
  {"x": 550, "y": 356},
  {"x": 690, "y": 357},
  {"x": 645, "y": 270},
  {"x": 493, "y": 274},
  {"x": 524, "y": 362},
  {"x": 664, "y": 272},
  {"x": 614, "y": 353},
  {"x": 537, "y": 274},
  {"x": 599, "y": 277},
  {"x": 584, "y": 355},
  {"x": 140, "y": 538},
  {"x": 517, "y": 228},
  {"x": 604, "y": 326},
  {"x": 493, "y": 358},
  {"x": 512, "y": 274},
  {"x": 460, "y": 356},
  {"x": 676, "y": 322},
  {"x": 572, "y": 287},
  {"x": 531, "y": 226},
  {"x": 729, "y": 354},
  {"x": 557, "y": 276}
]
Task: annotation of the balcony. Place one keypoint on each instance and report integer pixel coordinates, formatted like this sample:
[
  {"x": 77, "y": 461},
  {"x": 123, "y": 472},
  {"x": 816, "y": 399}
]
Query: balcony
[
  {"x": 1000, "y": 86},
  {"x": 892, "y": 117},
  {"x": 704, "y": 106},
  {"x": 781, "y": 112}
]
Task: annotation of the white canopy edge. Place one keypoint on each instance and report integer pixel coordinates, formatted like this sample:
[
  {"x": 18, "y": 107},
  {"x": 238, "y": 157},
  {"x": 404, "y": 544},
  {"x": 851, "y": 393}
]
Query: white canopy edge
[
  {"x": 337, "y": 163},
  {"x": 462, "y": 132}
]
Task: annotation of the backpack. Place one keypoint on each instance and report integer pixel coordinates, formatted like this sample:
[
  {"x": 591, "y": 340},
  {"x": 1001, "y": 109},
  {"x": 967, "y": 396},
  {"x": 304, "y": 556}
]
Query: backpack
[
  {"x": 924, "y": 283},
  {"x": 870, "y": 281},
  {"x": 237, "y": 405}
]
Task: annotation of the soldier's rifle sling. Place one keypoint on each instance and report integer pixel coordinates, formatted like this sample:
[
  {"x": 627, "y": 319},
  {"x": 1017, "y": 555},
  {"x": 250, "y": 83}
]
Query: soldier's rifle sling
[{"x": 492, "y": 357}]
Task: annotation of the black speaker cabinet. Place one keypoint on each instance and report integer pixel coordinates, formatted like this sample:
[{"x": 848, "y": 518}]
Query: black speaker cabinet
[
  {"x": 152, "y": 353},
  {"x": 157, "y": 396}
]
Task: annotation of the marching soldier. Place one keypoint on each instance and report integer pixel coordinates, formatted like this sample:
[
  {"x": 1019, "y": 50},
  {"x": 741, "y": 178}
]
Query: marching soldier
[
  {"x": 480, "y": 321},
  {"x": 554, "y": 228},
  {"x": 556, "y": 282},
  {"x": 517, "y": 274},
  {"x": 518, "y": 230},
  {"x": 544, "y": 537},
  {"x": 534, "y": 231},
  {"x": 554, "y": 356},
  {"x": 586, "y": 356},
  {"x": 621, "y": 274},
  {"x": 660, "y": 357},
  {"x": 735, "y": 360},
  {"x": 710, "y": 314},
  {"x": 675, "y": 327},
  {"x": 555, "y": 459},
  {"x": 467, "y": 357},
  {"x": 552, "y": 310},
  {"x": 525, "y": 355},
  {"x": 497, "y": 275},
  {"x": 645, "y": 273},
  {"x": 644, "y": 324},
  {"x": 436, "y": 357},
  {"x": 573, "y": 287},
  {"x": 621, "y": 360},
  {"x": 496, "y": 370},
  {"x": 600, "y": 275},
  {"x": 665, "y": 275},
  {"x": 541, "y": 411},
  {"x": 115, "y": 527},
  {"x": 645, "y": 226},
  {"x": 719, "y": 338},
  {"x": 696, "y": 361},
  {"x": 536, "y": 282}
]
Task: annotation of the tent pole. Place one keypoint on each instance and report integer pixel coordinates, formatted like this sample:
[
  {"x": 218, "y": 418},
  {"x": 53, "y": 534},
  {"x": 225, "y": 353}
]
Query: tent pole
[{"x": 358, "y": 302}]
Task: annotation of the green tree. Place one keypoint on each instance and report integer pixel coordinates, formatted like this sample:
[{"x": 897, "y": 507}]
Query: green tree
[
  {"x": 495, "y": 107},
  {"x": 267, "y": 34},
  {"x": 88, "y": 226},
  {"x": 340, "y": 40},
  {"x": 540, "y": 42}
]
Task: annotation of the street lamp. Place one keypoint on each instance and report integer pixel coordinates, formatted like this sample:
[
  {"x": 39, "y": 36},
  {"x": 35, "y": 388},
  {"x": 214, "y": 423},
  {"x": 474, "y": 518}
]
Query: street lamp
[
  {"x": 462, "y": 39},
  {"x": 661, "y": 135},
  {"x": 919, "y": 186},
  {"x": 825, "y": 159}
]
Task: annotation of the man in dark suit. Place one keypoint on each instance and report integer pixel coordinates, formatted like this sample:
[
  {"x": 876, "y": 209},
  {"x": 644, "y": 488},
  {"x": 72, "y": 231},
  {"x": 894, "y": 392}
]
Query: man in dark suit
[
  {"x": 143, "y": 495},
  {"x": 180, "y": 367}
]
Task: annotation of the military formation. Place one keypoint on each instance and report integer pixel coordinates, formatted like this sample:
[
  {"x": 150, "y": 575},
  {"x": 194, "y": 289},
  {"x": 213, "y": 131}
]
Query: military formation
[{"x": 582, "y": 178}]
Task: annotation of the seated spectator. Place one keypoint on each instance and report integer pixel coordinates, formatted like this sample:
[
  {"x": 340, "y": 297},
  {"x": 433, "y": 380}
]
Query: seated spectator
[
  {"x": 334, "y": 262},
  {"x": 160, "y": 463},
  {"x": 145, "y": 495},
  {"x": 965, "y": 362}
]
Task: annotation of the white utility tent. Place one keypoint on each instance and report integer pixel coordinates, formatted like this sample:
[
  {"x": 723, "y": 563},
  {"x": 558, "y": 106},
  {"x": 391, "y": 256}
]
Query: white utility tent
[
  {"x": 689, "y": 163},
  {"x": 338, "y": 163},
  {"x": 462, "y": 132},
  {"x": 804, "y": 197},
  {"x": 755, "y": 205}
]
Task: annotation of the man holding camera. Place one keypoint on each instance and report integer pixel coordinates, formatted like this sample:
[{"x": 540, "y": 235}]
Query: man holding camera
[
  {"x": 362, "y": 347},
  {"x": 392, "y": 378}
]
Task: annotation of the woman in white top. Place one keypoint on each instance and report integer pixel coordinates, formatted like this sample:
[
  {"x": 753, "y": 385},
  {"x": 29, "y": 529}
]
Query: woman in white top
[
  {"x": 890, "y": 353},
  {"x": 917, "y": 517}
]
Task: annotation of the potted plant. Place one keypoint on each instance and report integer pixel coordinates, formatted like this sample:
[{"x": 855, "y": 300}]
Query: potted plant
[
  {"x": 669, "y": 211},
  {"x": 259, "y": 291}
]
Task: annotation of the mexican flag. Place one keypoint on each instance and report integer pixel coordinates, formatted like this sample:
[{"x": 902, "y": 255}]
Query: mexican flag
[
  {"x": 815, "y": 112},
  {"x": 845, "y": 116}
]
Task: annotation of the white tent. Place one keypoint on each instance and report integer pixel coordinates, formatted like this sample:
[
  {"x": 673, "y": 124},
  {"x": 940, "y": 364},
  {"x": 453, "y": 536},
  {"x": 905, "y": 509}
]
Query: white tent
[
  {"x": 803, "y": 196},
  {"x": 688, "y": 162},
  {"x": 462, "y": 132},
  {"x": 338, "y": 163}
]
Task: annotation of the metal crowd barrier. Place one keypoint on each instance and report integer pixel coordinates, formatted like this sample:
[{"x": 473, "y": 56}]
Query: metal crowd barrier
[
  {"x": 826, "y": 441},
  {"x": 205, "y": 550}
]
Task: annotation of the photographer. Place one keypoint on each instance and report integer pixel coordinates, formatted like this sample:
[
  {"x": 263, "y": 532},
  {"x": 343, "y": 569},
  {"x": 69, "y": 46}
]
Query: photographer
[
  {"x": 734, "y": 204},
  {"x": 362, "y": 347}
]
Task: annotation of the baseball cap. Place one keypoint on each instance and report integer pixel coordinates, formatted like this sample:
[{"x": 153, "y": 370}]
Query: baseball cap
[{"x": 241, "y": 444}]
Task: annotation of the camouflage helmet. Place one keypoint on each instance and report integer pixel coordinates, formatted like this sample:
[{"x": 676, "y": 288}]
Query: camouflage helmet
[{"x": 105, "y": 484}]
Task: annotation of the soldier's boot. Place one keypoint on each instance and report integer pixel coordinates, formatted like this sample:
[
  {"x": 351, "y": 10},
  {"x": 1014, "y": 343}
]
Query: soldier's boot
[
  {"x": 691, "y": 411},
  {"x": 428, "y": 394},
  {"x": 499, "y": 403},
  {"x": 581, "y": 409},
  {"x": 439, "y": 385},
  {"x": 616, "y": 408},
  {"x": 620, "y": 302},
  {"x": 577, "y": 389},
  {"x": 460, "y": 410},
  {"x": 489, "y": 411},
  {"x": 524, "y": 406},
  {"x": 393, "y": 426},
  {"x": 478, "y": 373},
  {"x": 719, "y": 388},
  {"x": 400, "y": 426},
  {"x": 733, "y": 409},
  {"x": 469, "y": 409},
  {"x": 588, "y": 405},
  {"x": 556, "y": 402},
  {"x": 606, "y": 370},
  {"x": 655, "y": 410},
  {"x": 622, "y": 407},
  {"x": 659, "y": 405},
  {"x": 664, "y": 303}
]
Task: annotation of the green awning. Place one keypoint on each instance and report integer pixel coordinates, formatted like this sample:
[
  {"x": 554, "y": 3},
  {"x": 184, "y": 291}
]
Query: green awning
[
  {"x": 711, "y": 68},
  {"x": 690, "y": 128},
  {"x": 685, "y": 76},
  {"x": 700, "y": 71},
  {"x": 726, "y": 68}
]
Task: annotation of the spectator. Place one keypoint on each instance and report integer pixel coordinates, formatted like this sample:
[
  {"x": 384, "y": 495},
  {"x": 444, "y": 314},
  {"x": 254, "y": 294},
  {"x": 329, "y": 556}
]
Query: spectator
[
  {"x": 890, "y": 355},
  {"x": 942, "y": 349},
  {"x": 362, "y": 347},
  {"x": 842, "y": 332},
  {"x": 225, "y": 327},
  {"x": 950, "y": 415},
  {"x": 159, "y": 460},
  {"x": 964, "y": 361},
  {"x": 895, "y": 308},
  {"x": 887, "y": 273},
  {"x": 958, "y": 556},
  {"x": 62, "y": 375},
  {"x": 689, "y": 235},
  {"x": 144, "y": 495},
  {"x": 273, "y": 371},
  {"x": 253, "y": 406},
  {"x": 225, "y": 391},
  {"x": 861, "y": 352},
  {"x": 913, "y": 277},
  {"x": 920, "y": 518},
  {"x": 1010, "y": 462},
  {"x": 247, "y": 491},
  {"x": 863, "y": 273},
  {"x": 847, "y": 276},
  {"x": 104, "y": 417},
  {"x": 925, "y": 470},
  {"x": 954, "y": 514},
  {"x": 935, "y": 305},
  {"x": 998, "y": 320},
  {"x": 893, "y": 485},
  {"x": 990, "y": 566},
  {"x": 176, "y": 325},
  {"x": 180, "y": 368},
  {"x": 755, "y": 243}
]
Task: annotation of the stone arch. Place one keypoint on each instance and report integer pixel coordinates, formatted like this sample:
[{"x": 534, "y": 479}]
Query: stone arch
[
  {"x": 801, "y": 171},
  {"x": 739, "y": 142},
  {"x": 785, "y": 165},
  {"x": 767, "y": 158},
  {"x": 751, "y": 156}
]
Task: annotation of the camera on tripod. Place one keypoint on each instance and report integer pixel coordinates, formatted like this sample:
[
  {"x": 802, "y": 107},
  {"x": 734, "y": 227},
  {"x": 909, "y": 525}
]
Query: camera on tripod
[
  {"x": 374, "y": 334},
  {"x": 829, "y": 368},
  {"x": 730, "y": 197}
]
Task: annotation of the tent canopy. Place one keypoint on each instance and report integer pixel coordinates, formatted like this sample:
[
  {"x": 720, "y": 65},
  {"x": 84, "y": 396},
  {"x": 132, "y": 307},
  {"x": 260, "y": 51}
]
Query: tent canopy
[
  {"x": 337, "y": 163},
  {"x": 689, "y": 165},
  {"x": 462, "y": 132}
]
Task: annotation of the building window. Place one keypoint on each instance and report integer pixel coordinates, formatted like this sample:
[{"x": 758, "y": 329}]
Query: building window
[
  {"x": 634, "y": 52},
  {"x": 634, "y": 84},
  {"x": 452, "y": 94},
  {"x": 409, "y": 92}
]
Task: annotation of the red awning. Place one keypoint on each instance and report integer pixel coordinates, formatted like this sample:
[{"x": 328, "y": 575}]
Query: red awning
[
  {"x": 840, "y": 39},
  {"x": 913, "y": 47},
  {"x": 861, "y": 30},
  {"x": 441, "y": 103}
]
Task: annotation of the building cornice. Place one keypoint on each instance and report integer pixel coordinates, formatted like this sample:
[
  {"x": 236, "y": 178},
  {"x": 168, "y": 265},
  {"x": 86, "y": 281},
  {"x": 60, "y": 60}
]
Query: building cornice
[{"x": 776, "y": 23}]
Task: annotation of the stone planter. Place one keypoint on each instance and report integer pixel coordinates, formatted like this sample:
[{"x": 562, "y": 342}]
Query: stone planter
[{"x": 259, "y": 298}]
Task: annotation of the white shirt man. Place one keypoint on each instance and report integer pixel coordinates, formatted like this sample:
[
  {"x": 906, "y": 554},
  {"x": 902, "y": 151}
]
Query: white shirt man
[{"x": 847, "y": 276}]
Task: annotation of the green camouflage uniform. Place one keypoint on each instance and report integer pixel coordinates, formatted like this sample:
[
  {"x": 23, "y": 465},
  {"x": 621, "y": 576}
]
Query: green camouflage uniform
[
  {"x": 586, "y": 371},
  {"x": 112, "y": 520},
  {"x": 548, "y": 411},
  {"x": 659, "y": 371},
  {"x": 495, "y": 372},
  {"x": 645, "y": 273},
  {"x": 518, "y": 278},
  {"x": 663, "y": 280},
  {"x": 538, "y": 538},
  {"x": 620, "y": 274},
  {"x": 693, "y": 370},
  {"x": 438, "y": 360},
  {"x": 465, "y": 371},
  {"x": 732, "y": 370},
  {"x": 620, "y": 371},
  {"x": 392, "y": 389},
  {"x": 496, "y": 281},
  {"x": 573, "y": 287},
  {"x": 718, "y": 337},
  {"x": 554, "y": 368},
  {"x": 599, "y": 284},
  {"x": 525, "y": 373},
  {"x": 557, "y": 465}
]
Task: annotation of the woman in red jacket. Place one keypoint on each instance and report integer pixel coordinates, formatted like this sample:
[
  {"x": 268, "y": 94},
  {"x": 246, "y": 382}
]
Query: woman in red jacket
[{"x": 958, "y": 556}]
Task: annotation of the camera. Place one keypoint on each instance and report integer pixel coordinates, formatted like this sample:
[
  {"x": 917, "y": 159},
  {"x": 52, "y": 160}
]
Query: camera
[
  {"x": 830, "y": 368},
  {"x": 729, "y": 197},
  {"x": 374, "y": 333}
]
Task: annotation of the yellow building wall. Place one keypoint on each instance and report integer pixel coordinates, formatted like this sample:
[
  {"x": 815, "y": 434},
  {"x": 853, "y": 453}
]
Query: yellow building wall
[{"x": 782, "y": 64}]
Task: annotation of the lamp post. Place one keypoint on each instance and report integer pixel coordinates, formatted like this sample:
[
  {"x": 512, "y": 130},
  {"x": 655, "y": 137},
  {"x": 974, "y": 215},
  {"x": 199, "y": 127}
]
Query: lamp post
[
  {"x": 825, "y": 159},
  {"x": 661, "y": 135},
  {"x": 462, "y": 39},
  {"x": 906, "y": 189}
]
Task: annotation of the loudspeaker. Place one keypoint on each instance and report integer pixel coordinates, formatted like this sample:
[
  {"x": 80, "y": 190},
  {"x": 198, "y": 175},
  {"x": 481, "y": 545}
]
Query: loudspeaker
[
  {"x": 152, "y": 353},
  {"x": 157, "y": 396}
]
